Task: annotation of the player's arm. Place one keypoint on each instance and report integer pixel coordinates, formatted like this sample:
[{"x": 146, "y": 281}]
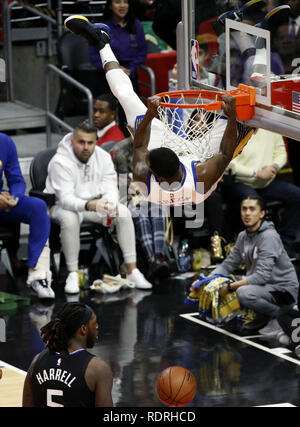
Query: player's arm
[
  {"x": 99, "y": 379},
  {"x": 143, "y": 131},
  {"x": 141, "y": 141},
  {"x": 210, "y": 171},
  {"x": 28, "y": 400}
]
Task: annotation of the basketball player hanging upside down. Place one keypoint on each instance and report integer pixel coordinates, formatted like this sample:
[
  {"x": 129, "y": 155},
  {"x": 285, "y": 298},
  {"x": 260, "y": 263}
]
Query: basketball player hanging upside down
[{"x": 160, "y": 174}]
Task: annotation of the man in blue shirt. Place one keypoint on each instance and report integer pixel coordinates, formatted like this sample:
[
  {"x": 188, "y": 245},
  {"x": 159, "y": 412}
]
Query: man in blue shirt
[{"x": 15, "y": 207}]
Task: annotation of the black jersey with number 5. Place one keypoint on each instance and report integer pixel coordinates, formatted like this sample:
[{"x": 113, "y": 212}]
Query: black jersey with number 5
[{"x": 58, "y": 379}]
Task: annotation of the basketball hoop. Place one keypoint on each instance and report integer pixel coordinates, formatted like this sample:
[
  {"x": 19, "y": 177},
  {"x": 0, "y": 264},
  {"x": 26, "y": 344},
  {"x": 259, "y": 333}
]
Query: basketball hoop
[{"x": 191, "y": 116}]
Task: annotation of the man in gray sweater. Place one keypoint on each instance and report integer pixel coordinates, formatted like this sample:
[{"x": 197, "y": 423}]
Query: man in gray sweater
[{"x": 271, "y": 280}]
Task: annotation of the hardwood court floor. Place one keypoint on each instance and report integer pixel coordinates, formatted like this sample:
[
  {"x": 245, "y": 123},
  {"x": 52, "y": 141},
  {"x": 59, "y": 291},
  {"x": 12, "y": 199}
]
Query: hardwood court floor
[
  {"x": 11, "y": 385},
  {"x": 143, "y": 332}
]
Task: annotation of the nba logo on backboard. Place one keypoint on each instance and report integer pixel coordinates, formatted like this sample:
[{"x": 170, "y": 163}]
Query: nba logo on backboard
[
  {"x": 2, "y": 330},
  {"x": 195, "y": 59}
]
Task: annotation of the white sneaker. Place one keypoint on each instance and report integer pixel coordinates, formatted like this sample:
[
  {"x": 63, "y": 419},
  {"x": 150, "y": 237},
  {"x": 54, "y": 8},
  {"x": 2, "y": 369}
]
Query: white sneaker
[
  {"x": 297, "y": 350},
  {"x": 42, "y": 289},
  {"x": 138, "y": 279},
  {"x": 138, "y": 295},
  {"x": 283, "y": 338},
  {"x": 72, "y": 283},
  {"x": 41, "y": 314},
  {"x": 272, "y": 328}
]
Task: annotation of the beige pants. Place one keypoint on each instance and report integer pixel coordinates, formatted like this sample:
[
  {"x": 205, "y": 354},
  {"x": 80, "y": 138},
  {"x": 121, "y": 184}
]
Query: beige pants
[{"x": 70, "y": 221}]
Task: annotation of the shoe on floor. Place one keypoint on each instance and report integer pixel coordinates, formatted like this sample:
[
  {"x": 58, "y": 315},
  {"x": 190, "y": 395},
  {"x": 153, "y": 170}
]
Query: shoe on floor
[
  {"x": 40, "y": 314},
  {"x": 72, "y": 283},
  {"x": 283, "y": 338},
  {"x": 97, "y": 34},
  {"x": 159, "y": 268},
  {"x": 272, "y": 328},
  {"x": 138, "y": 279},
  {"x": 42, "y": 288},
  {"x": 255, "y": 325},
  {"x": 297, "y": 351}
]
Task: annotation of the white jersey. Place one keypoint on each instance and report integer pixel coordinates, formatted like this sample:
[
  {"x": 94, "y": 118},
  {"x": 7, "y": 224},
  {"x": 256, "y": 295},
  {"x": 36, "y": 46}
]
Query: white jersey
[
  {"x": 201, "y": 149},
  {"x": 187, "y": 192}
]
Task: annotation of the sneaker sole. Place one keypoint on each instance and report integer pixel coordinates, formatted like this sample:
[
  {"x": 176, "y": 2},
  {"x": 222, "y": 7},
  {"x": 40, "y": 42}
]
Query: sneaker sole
[
  {"x": 148, "y": 288},
  {"x": 71, "y": 18},
  {"x": 35, "y": 293},
  {"x": 72, "y": 292},
  {"x": 81, "y": 26}
]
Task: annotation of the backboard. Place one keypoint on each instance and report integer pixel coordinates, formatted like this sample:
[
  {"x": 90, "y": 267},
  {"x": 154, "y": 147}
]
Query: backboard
[{"x": 249, "y": 45}]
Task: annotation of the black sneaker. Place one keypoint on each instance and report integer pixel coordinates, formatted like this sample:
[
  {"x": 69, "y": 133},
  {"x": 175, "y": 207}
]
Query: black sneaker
[
  {"x": 159, "y": 270},
  {"x": 96, "y": 34},
  {"x": 235, "y": 15},
  {"x": 251, "y": 9},
  {"x": 272, "y": 21},
  {"x": 276, "y": 17}
]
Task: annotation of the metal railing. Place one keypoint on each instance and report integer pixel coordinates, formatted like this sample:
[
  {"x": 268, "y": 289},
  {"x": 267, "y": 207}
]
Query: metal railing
[
  {"x": 50, "y": 117},
  {"x": 8, "y": 40},
  {"x": 53, "y": 25},
  {"x": 152, "y": 84}
]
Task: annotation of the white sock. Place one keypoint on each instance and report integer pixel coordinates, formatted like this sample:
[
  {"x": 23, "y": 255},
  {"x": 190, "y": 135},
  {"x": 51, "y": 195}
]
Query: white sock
[
  {"x": 42, "y": 267},
  {"x": 107, "y": 55},
  {"x": 260, "y": 57}
]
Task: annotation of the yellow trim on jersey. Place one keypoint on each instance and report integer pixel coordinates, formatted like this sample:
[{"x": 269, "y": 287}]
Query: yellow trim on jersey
[
  {"x": 130, "y": 131},
  {"x": 242, "y": 144}
]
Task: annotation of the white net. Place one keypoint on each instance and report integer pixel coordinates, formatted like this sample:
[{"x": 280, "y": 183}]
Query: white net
[{"x": 188, "y": 130}]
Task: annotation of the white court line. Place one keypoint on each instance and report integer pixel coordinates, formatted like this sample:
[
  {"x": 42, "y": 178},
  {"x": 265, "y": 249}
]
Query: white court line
[
  {"x": 277, "y": 405},
  {"x": 189, "y": 316},
  {"x": 13, "y": 368}
]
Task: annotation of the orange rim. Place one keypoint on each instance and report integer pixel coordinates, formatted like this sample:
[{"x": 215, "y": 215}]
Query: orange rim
[
  {"x": 207, "y": 94},
  {"x": 244, "y": 95}
]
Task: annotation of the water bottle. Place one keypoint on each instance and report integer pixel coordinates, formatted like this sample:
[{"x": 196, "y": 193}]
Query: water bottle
[
  {"x": 197, "y": 260},
  {"x": 184, "y": 257}
]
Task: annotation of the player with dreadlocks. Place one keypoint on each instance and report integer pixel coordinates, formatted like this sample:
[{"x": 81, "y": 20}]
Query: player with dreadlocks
[{"x": 65, "y": 373}]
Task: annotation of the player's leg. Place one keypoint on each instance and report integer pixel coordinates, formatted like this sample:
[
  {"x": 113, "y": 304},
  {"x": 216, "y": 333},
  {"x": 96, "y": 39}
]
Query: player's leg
[
  {"x": 119, "y": 83},
  {"x": 121, "y": 86},
  {"x": 33, "y": 211}
]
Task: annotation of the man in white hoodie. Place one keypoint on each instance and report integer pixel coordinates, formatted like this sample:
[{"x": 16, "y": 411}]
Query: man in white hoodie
[{"x": 83, "y": 178}]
